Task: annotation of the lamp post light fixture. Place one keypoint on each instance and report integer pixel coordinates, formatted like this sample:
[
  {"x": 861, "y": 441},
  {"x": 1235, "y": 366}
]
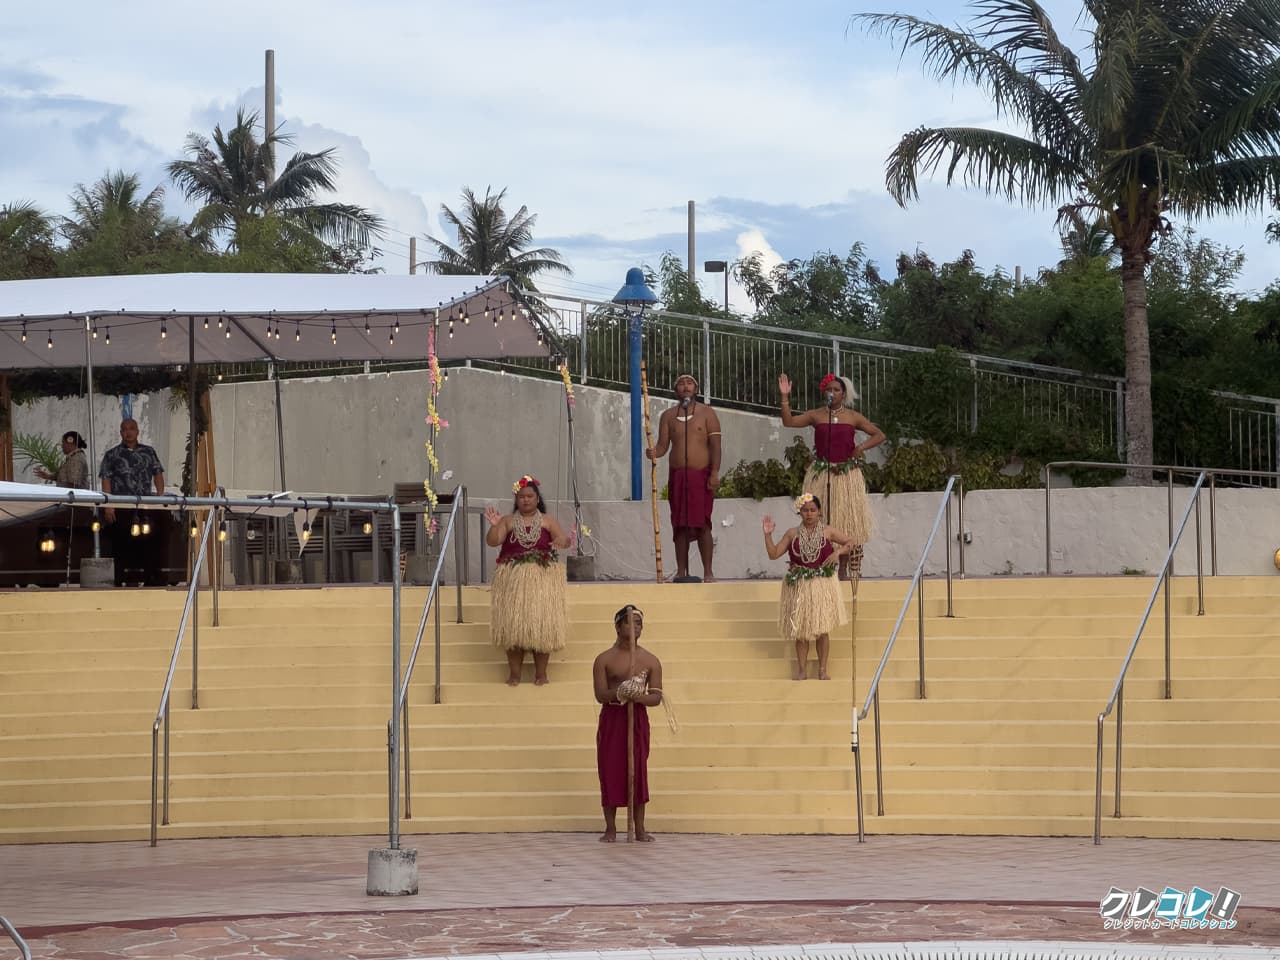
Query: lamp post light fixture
[
  {"x": 720, "y": 266},
  {"x": 635, "y": 297}
]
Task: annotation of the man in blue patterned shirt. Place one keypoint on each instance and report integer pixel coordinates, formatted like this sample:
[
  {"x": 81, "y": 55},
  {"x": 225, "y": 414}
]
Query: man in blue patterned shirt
[{"x": 129, "y": 469}]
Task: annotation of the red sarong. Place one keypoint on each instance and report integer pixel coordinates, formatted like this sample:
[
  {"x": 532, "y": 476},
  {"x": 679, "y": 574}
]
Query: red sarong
[
  {"x": 690, "y": 500},
  {"x": 611, "y": 754}
]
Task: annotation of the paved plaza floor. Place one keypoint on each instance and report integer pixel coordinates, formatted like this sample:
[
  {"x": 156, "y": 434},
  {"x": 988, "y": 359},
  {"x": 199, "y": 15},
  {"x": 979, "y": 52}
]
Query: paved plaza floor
[{"x": 497, "y": 894}]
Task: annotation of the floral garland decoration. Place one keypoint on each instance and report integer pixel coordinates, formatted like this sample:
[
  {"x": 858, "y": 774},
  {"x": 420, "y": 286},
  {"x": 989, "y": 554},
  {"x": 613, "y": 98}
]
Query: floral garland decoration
[
  {"x": 525, "y": 481},
  {"x": 583, "y": 529},
  {"x": 435, "y": 422},
  {"x": 799, "y": 574},
  {"x": 568, "y": 384},
  {"x": 803, "y": 499}
]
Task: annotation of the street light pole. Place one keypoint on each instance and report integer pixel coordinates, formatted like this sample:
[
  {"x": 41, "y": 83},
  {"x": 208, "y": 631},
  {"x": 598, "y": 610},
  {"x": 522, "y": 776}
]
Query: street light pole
[
  {"x": 720, "y": 266},
  {"x": 636, "y": 297}
]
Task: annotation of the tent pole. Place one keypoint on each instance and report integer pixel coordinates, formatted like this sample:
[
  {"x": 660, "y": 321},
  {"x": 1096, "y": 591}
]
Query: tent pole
[
  {"x": 275, "y": 368},
  {"x": 93, "y": 469}
]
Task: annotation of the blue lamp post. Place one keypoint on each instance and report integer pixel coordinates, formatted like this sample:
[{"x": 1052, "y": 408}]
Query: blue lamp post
[{"x": 636, "y": 297}]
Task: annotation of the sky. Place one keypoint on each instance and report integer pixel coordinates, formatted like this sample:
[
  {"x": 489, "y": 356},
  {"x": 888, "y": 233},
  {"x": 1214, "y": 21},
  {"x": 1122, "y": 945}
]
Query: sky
[{"x": 603, "y": 118}]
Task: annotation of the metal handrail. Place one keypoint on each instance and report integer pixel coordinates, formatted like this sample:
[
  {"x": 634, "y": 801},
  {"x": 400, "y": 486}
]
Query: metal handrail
[
  {"x": 1117, "y": 692},
  {"x": 954, "y": 482},
  {"x": 16, "y": 937},
  {"x": 1212, "y": 472},
  {"x": 162, "y": 713},
  {"x": 402, "y": 701}
]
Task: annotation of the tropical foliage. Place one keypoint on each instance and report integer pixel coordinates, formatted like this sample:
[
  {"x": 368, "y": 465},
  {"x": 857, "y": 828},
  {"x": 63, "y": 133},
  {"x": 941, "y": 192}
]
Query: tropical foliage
[
  {"x": 232, "y": 177},
  {"x": 490, "y": 243},
  {"x": 1174, "y": 111}
]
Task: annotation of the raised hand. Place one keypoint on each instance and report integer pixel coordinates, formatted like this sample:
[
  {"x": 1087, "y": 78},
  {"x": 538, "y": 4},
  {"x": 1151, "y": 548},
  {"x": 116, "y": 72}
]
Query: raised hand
[
  {"x": 784, "y": 385},
  {"x": 492, "y": 515},
  {"x": 768, "y": 526}
]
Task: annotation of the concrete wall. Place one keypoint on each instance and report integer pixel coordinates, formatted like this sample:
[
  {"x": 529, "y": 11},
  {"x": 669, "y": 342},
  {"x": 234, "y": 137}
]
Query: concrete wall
[
  {"x": 54, "y": 417},
  {"x": 362, "y": 434},
  {"x": 1096, "y": 530}
]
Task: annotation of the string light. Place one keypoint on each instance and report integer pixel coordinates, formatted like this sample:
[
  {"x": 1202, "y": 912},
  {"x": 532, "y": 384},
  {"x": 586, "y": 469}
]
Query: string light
[
  {"x": 297, "y": 332},
  {"x": 368, "y": 527},
  {"x": 108, "y": 336},
  {"x": 391, "y": 339},
  {"x": 219, "y": 322},
  {"x": 49, "y": 345},
  {"x": 135, "y": 529},
  {"x": 306, "y": 530},
  {"x": 367, "y": 331},
  {"x": 206, "y": 323},
  {"x": 451, "y": 328},
  {"x": 486, "y": 309},
  {"x": 396, "y": 328},
  {"x": 164, "y": 331},
  {"x": 195, "y": 528},
  {"x": 24, "y": 331},
  {"x": 47, "y": 543},
  {"x": 497, "y": 316},
  {"x": 466, "y": 317},
  {"x": 222, "y": 531},
  {"x": 95, "y": 331},
  {"x": 146, "y": 527},
  {"x": 96, "y": 525},
  {"x": 445, "y": 373},
  {"x": 228, "y": 328},
  {"x": 268, "y": 328},
  {"x": 250, "y": 533},
  {"x": 277, "y": 330},
  {"x": 333, "y": 331}
]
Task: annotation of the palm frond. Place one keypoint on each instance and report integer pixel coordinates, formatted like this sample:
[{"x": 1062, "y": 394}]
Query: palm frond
[
  {"x": 997, "y": 162},
  {"x": 950, "y": 54}
]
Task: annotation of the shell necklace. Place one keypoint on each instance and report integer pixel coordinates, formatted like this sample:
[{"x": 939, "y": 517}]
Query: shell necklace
[
  {"x": 526, "y": 530},
  {"x": 809, "y": 543}
]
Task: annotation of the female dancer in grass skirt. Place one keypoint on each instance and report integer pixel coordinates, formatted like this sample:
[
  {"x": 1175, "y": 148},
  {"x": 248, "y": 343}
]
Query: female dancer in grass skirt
[
  {"x": 836, "y": 472},
  {"x": 527, "y": 607},
  {"x": 811, "y": 604}
]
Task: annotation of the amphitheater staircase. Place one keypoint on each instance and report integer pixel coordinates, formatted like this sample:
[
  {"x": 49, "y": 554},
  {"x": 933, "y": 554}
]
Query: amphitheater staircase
[{"x": 295, "y": 685}]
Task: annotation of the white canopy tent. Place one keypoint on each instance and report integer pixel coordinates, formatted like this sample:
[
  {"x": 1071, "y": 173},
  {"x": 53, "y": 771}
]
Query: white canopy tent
[
  {"x": 178, "y": 318},
  {"x": 202, "y": 318}
]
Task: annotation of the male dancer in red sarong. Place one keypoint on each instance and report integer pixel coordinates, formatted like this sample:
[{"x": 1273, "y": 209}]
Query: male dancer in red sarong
[
  {"x": 625, "y": 672},
  {"x": 691, "y": 431}
]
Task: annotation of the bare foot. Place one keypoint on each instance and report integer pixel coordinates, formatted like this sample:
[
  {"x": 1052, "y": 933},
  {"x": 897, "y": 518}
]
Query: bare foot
[
  {"x": 645, "y": 837},
  {"x": 823, "y": 675},
  {"x": 513, "y": 680},
  {"x": 609, "y": 836},
  {"x": 797, "y": 673},
  {"x": 540, "y": 681},
  {"x": 709, "y": 578}
]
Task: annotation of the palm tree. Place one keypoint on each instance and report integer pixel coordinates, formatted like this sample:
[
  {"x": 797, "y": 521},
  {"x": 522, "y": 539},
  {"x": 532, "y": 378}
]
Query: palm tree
[
  {"x": 26, "y": 242},
  {"x": 491, "y": 244},
  {"x": 113, "y": 210},
  {"x": 1177, "y": 111},
  {"x": 231, "y": 178},
  {"x": 1085, "y": 240}
]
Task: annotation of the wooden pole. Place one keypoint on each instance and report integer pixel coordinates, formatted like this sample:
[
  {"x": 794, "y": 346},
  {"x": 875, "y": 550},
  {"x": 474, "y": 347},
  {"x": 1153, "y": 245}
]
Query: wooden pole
[
  {"x": 631, "y": 737},
  {"x": 653, "y": 474}
]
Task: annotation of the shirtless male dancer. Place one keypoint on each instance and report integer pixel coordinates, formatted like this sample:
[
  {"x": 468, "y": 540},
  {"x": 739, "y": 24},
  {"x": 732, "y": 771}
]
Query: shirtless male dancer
[
  {"x": 618, "y": 680},
  {"x": 691, "y": 431}
]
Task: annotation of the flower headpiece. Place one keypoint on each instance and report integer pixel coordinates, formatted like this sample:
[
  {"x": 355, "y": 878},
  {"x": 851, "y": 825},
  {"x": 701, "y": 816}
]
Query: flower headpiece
[
  {"x": 828, "y": 380},
  {"x": 525, "y": 481},
  {"x": 803, "y": 499}
]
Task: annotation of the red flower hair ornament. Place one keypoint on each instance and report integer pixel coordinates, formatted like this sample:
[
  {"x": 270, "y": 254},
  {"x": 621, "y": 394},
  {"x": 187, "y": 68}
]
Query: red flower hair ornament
[{"x": 525, "y": 481}]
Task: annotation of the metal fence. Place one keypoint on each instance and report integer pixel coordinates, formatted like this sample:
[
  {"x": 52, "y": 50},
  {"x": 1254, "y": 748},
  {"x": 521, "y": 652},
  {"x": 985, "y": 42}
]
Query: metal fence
[{"x": 737, "y": 365}]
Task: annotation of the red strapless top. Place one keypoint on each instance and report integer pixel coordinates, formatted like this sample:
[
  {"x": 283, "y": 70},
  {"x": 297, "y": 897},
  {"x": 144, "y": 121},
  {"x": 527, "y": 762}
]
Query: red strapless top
[
  {"x": 834, "y": 442},
  {"x": 512, "y": 548},
  {"x": 824, "y": 554}
]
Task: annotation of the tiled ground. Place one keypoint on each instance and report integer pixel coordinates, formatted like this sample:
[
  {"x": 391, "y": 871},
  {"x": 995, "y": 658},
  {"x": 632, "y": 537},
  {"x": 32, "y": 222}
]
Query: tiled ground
[{"x": 486, "y": 894}]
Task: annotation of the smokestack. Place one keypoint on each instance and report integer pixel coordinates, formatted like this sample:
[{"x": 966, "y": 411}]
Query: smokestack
[
  {"x": 269, "y": 114},
  {"x": 692, "y": 259}
]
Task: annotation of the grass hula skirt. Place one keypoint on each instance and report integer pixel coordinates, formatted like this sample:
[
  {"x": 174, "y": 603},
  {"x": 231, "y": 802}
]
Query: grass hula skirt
[
  {"x": 847, "y": 507},
  {"x": 810, "y": 607},
  {"x": 527, "y": 606}
]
